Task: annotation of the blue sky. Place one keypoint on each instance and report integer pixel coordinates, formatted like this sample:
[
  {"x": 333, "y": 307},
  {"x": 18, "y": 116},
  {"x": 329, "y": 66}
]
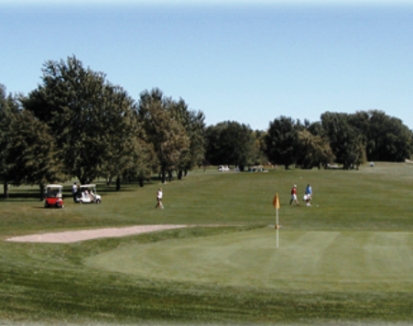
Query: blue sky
[{"x": 245, "y": 61}]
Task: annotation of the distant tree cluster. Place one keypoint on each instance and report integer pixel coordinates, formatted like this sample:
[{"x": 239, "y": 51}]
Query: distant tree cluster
[
  {"x": 346, "y": 139},
  {"x": 76, "y": 124}
]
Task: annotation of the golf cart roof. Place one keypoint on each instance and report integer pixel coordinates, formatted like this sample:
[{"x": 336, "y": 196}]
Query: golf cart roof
[
  {"x": 54, "y": 186},
  {"x": 88, "y": 185}
]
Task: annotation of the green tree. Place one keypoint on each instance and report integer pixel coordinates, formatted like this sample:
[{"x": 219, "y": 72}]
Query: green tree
[
  {"x": 312, "y": 150},
  {"x": 145, "y": 163},
  {"x": 163, "y": 130},
  {"x": 230, "y": 143},
  {"x": 124, "y": 148},
  {"x": 33, "y": 150},
  {"x": 9, "y": 108},
  {"x": 388, "y": 138},
  {"x": 71, "y": 101},
  {"x": 90, "y": 119},
  {"x": 280, "y": 141},
  {"x": 346, "y": 141},
  {"x": 28, "y": 152},
  {"x": 193, "y": 122},
  {"x": 260, "y": 147}
]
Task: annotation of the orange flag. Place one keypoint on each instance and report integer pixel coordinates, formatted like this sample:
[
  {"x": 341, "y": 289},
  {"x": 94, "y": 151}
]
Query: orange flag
[{"x": 276, "y": 201}]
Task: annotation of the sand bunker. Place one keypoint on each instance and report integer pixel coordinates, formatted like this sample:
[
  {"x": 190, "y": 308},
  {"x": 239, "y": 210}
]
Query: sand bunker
[{"x": 76, "y": 236}]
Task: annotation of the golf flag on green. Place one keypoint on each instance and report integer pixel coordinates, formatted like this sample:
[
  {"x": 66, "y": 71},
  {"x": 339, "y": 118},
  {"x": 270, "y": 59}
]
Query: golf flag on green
[{"x": 276, "y": 202}]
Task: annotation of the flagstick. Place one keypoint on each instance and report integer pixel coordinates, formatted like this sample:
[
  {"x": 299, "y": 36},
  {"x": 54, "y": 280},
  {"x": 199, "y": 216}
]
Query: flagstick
[
  {"x": 276, "y": 204},
  {"x": 277, "y": 227}
]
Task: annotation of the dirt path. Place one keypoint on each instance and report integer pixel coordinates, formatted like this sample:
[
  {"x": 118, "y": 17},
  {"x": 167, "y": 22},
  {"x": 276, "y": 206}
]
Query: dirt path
[{"x": 76, "y": 236}]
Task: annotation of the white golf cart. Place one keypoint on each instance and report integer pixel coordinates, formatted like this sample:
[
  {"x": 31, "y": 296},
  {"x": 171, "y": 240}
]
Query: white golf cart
[{"x": 86, "y": 194}]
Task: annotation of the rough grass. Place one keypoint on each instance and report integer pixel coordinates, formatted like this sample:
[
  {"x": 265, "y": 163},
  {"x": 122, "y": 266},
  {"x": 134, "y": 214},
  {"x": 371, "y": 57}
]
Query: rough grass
[{"x": 83, "y": 283}]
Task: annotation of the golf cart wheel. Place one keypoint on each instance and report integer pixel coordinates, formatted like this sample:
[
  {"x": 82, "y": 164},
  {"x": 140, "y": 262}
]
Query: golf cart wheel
[{"x": 98, "y": 201}]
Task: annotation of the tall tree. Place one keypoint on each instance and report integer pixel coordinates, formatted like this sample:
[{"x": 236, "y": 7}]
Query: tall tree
[
  {"x": 312, "y": 150},
  {"x": 388, "y": 138},
  {"x": 230, "y": 143},
  {"x": 90, "y": 119},
  {"x": 124, "y": 149},
  {"x": 193, "y": 122},
  {"x": 71, "y": 101},
  {"x": 260, "y": 147},
  {"x": 346, "y": 141},
  {"x": 28, "y": 151},
  {"x": 280, "y": 140},
  {"x": 9, "y": 109},
  {"x": 163, "y": 130},
  {"x": 34, "y": 152}
]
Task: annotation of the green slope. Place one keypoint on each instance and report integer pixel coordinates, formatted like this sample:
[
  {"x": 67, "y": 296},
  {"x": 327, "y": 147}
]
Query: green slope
[{"x": 304, "y": 261}]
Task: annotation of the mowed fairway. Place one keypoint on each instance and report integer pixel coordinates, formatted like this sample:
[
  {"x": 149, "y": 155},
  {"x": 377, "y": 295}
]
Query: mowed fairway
[
  {"x": 347, "y": 260},
  {"x": 309, "y": 261}
]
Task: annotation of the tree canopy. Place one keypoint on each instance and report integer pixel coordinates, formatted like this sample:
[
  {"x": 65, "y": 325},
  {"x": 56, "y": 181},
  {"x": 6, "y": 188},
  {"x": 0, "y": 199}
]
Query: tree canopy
[
  {"x": 92, "y": 121},
  {"x": 280, "y": 141},
  {"x": 230, "y": 143},
  {"x": 76, "y": 124},
  {"x": 163, "y": 130}
]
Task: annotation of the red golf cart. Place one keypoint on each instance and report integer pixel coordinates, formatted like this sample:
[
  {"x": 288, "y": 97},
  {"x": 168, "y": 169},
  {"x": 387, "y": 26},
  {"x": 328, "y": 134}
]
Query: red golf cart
[{"x": 53, "y": 196}]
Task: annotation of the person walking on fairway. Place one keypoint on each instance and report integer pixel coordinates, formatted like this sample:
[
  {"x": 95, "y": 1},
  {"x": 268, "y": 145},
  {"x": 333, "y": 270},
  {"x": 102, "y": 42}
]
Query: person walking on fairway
[
  {"x": 308, "y": 194},
  {"x": 294, "y": 195},
  {"x": 159, "y": 195}
]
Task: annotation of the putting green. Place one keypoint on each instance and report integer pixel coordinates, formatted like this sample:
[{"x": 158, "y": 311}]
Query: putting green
[{"x": 304, "y": 260}]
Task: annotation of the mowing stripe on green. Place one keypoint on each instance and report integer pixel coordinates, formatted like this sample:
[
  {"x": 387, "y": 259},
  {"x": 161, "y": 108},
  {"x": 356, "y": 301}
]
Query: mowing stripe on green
[{"x": 304, "y": 261}]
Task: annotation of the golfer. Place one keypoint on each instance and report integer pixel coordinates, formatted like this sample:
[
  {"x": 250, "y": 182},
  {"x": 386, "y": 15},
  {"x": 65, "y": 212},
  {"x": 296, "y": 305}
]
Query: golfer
[
  {"x": 159, "y": 195},
  {"x": 308, "y": 194},
  {"x": 294, "y": 196}
]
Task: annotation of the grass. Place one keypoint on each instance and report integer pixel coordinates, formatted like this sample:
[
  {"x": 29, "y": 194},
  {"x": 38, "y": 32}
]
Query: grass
[
  {"x": 316, "y": 261},
  {"x": 345, "y": 260}
]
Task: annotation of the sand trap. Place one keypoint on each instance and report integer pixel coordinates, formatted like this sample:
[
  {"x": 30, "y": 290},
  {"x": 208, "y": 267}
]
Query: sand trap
[{"x": 76, "y": 236}]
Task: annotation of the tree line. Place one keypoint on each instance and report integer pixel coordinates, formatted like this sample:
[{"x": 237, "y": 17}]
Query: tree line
[{"x": 76, "y": 124}]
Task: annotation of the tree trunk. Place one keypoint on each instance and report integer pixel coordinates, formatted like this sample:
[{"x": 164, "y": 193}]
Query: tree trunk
[
  {"x": 83, "y": 181},
  {"x": 163, "y": 175},
  {"x": 180, "y": 175},
  {"x": 5, "y": 190},
  {"x": 41, "y": 191},
  {"x": 117, "y": 183}
]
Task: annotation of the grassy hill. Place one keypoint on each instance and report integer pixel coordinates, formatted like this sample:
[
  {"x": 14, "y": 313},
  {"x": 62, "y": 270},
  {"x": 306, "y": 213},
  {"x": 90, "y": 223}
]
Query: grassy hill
[{"x": 345, "y": 260}]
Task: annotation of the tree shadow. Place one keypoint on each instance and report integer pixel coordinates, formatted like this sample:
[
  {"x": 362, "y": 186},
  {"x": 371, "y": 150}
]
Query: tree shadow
[{"x": 22, "y": 195}]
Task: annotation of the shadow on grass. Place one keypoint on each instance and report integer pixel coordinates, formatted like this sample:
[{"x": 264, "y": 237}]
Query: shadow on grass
[
  {"x": 23, "y": 194},
  {"x": 26, "y": 194}
]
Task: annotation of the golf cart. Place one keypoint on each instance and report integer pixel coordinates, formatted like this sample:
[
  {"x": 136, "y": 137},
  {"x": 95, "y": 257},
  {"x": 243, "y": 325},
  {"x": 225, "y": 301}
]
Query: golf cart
[
  {"x": 53, "y": 194},
  {"x": 86, "y": 194}
]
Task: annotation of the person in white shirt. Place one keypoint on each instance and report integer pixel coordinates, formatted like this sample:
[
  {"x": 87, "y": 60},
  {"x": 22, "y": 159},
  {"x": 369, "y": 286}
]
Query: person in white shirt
[
  {"x": 159, "y": 195},
  {"x": 74, "y": 192}
]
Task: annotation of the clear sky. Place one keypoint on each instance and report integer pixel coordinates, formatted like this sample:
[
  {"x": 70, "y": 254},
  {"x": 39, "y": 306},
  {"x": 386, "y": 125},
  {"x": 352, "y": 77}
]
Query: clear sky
[{"x": 246, "y": 61}]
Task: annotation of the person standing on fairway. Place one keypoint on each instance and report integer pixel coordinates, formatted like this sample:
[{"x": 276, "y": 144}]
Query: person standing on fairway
[
  {"x": 308, "y": 195},
  {"x": 294, "y": 195},
  {"x": 74, "y": 192},
  {"x": 159, "y": 195}
]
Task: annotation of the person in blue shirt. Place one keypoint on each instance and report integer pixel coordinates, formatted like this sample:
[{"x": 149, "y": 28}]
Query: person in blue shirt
[{"x": 308, "y": 194}]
